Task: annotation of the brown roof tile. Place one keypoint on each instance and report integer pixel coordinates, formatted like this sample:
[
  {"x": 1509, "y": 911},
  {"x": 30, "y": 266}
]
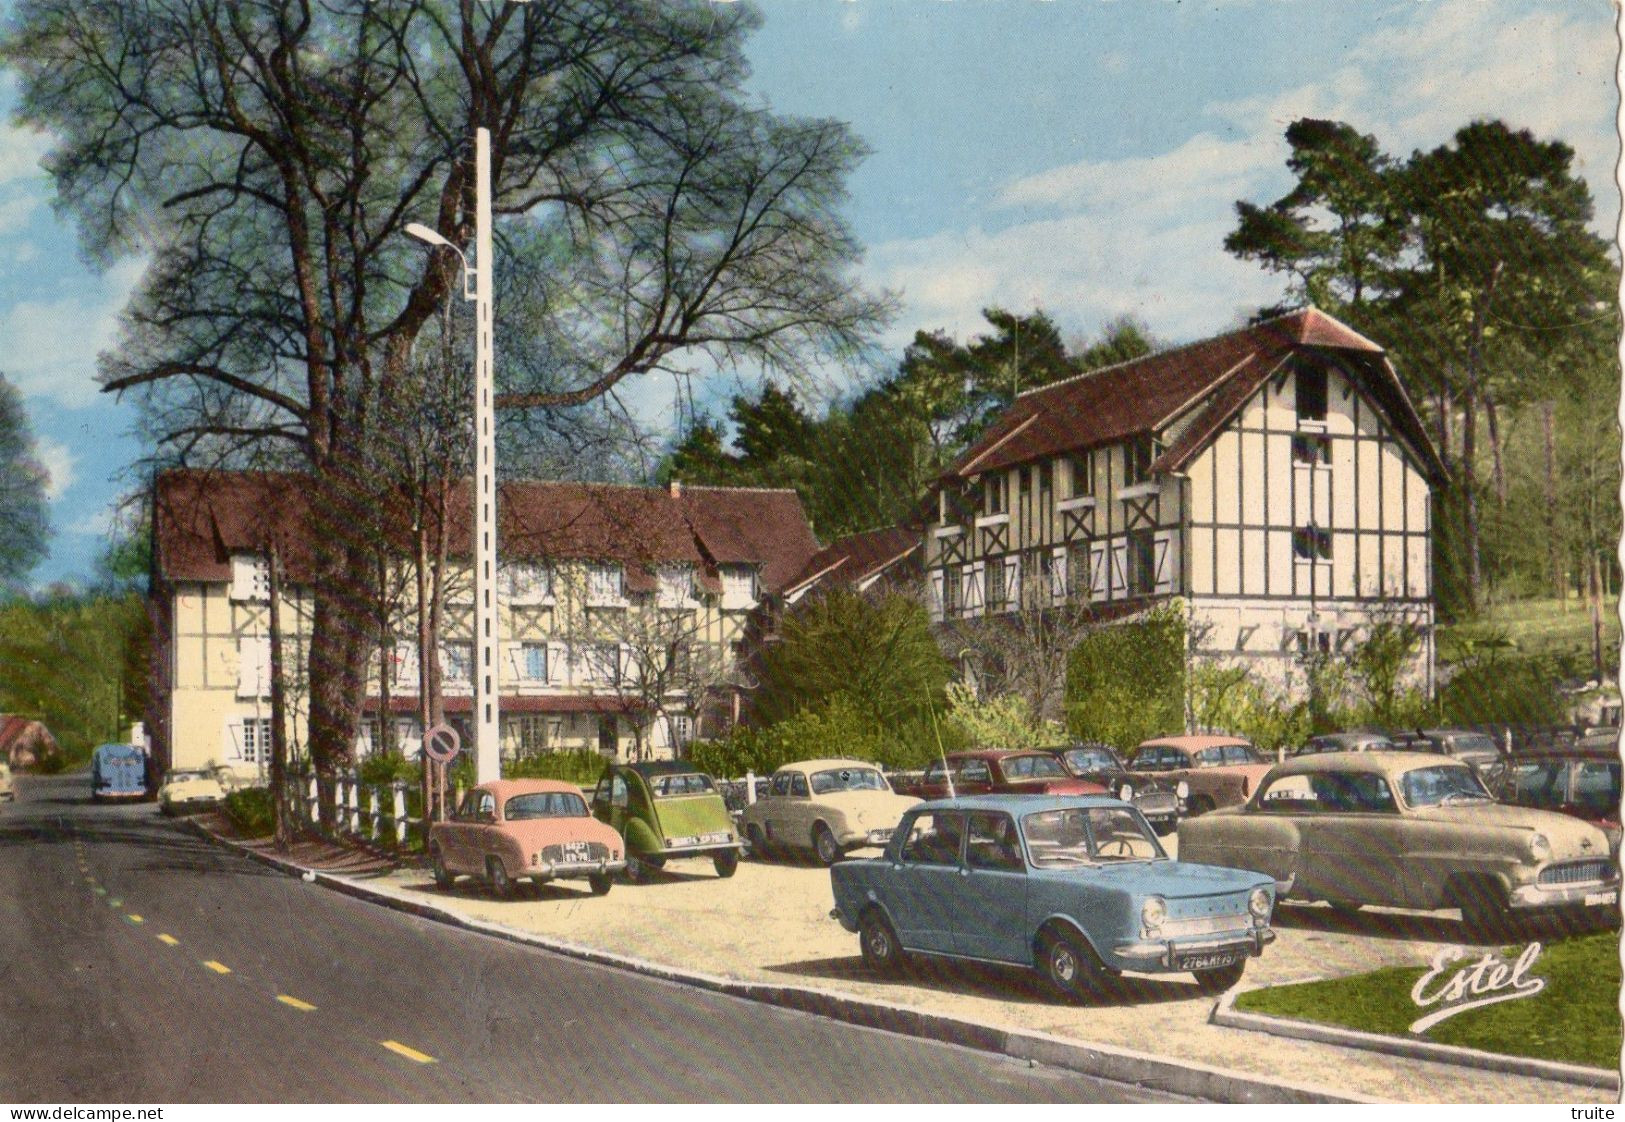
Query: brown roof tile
[
  {"x": 1112, "y": 404},
  {"x": 204, "y": 517},
  {"x": 853, "y": 558}
]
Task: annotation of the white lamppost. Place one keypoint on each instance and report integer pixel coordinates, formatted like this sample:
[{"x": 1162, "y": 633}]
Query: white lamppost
[{"x": 487, "y": 752}]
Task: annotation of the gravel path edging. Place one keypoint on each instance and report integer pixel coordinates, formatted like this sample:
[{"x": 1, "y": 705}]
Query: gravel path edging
[{"x": 1226, "y": 1014}]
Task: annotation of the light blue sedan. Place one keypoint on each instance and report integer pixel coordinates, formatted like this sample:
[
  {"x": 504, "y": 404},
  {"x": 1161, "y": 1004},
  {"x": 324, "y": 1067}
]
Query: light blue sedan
[{"x": 1076, "y": 887}]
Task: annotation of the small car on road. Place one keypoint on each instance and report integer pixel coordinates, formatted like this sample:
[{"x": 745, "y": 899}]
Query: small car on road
[
  {"x": 1216, "y": 770},
  {"x": 1345, "y": 742},
  {"x": 989, "y": 772},
  {"x": 190, "y": 790},
  {"x": 118, "y": 772},
  {"x": 1078, "y": 888},
  {"x": 512, "y": 829},
  {"x": 665, "y": 809},
  {"x": 1163, "y": 802},
  {"x": 824, "y": 806},
  {"x": 1408, "y": 830},
  {"x": 7, "y": 791}
]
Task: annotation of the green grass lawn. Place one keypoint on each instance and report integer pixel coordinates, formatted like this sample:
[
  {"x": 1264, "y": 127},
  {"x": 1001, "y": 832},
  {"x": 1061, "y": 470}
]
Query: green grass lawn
[
  {"x": 1575, "y": 1019},
  {"x": 1540, "y": 626}
]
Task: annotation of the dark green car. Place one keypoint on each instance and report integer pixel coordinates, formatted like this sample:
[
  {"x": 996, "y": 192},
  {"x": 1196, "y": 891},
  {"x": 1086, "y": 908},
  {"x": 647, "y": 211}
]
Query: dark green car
[{"x": 666, "y": 809}]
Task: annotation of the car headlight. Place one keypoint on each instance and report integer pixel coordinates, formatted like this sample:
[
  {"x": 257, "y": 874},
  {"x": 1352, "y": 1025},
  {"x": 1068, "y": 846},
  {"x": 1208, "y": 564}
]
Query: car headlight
[
  {"x": 1539, "y": 847},
  {"x": 1152, "y": 913},
  {"x": 1258, "y": 902},
  {"x": 1126, "y": 793},
  {"x": 1183, "y": 790}
]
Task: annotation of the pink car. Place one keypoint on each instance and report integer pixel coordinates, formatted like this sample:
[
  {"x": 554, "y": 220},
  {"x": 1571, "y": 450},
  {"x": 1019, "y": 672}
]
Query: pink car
[
  {"x": 510, "y": 829},
  {"x": 1220, "y": 770}
]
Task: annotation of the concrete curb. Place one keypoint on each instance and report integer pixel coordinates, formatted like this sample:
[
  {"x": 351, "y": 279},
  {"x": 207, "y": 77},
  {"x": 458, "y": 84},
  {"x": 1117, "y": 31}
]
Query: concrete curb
[
  {"x": 1227, "y": 1015},
  {"x": 1104, "y": 1061}
]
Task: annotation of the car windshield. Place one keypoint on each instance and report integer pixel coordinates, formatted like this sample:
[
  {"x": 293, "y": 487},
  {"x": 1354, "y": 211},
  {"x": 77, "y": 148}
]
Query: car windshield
[
  {"x": 187, "y": 776},
  {"x": 1033, "y": 767},
  {"x": 545, "y": 804},
  {"x": 1088, "y": 836},
  {"x": 1442, "y": 786},
  {"x": 1090, "y": 759},
  {"x": 848, "y": 779},
  {"x": 671, "y": 786},
  {"x": 1476, "y": 744}
]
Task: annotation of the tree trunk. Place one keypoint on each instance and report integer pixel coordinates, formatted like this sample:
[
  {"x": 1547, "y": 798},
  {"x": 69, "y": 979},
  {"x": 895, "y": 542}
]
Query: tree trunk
[
  {"x": 340, "y": 643},
  {"x": 385, "y": 744},
  {"x": 1554, "y": 556},
  {"x": 282, "y": 826},
  {"x": 1492, "y": 420},
  {"x": 1596, "y": 614},
  {"x": 431, "y": 789}
]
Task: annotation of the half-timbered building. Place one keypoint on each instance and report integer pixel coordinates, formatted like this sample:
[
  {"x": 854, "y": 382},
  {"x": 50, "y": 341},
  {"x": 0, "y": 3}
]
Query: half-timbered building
[{"x": 1275, "y": 480}]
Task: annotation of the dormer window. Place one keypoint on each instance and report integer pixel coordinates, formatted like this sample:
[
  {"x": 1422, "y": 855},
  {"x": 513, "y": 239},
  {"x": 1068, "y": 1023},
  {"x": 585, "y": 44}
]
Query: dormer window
[
  {"x": 738, "y": 586},
  {"x": 526, "y": 584},
  {"x": 676, "y": 588},
  {"x": 1311, "y": 393},
  {"x": 604, "y": 585}
]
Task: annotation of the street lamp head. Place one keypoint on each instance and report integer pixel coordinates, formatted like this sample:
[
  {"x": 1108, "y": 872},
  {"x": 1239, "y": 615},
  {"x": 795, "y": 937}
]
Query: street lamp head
[{"x": 423, "y": 234}]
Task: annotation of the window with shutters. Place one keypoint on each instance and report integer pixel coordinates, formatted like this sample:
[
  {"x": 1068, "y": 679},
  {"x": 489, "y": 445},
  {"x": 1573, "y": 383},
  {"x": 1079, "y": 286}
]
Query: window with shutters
[
  {"x": 457, "y": 662},
  {"x": 676, "y": 586},
  {"x": 526, "y": 584},
  {"x": 250, "y": 740},
  {"x": 533, "y": 662},
  {"x": 1142, "y": 563},
  {"x": 997, "y": 600},
  {"x": 604, "y": 586},
  {"x": 970, "y": 586},
  {"x": 738, "y": 586},
  {"x": 250, "y": 578}
]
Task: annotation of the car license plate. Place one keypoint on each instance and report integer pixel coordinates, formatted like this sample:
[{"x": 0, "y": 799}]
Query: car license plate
[
  {"x": 1206, "y": 961},
  {"x": 576, "y": 851},
  {"x": 1595, "y": 898}
]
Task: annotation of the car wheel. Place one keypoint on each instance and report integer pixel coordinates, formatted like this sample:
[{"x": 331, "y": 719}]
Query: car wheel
[
  {"x": 726, "y": 862},
  {"x": 443, "y": 877},
  {"x": 600, "y": 883},
  {"x": 1069, "y": 966},
  {"x": 638, "y": 871},
  {"x": 1218, "y": 980},
  {"x": 825, "y": 847},
  {"x": 496, "y": 877},
  {"x": 758, "y": 843},
  {"x": 882, "y": 953}
]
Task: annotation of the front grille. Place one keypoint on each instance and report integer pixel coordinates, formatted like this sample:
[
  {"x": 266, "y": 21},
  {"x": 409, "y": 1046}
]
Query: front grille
[
  {"x": 1202, "y": 925},
  {"x": 1574, "y": 872},
  {"x": 596, "y": 851}
]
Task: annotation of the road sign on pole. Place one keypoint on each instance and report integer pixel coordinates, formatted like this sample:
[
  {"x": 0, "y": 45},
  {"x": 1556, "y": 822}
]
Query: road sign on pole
[{"x": 442, "y": 744}]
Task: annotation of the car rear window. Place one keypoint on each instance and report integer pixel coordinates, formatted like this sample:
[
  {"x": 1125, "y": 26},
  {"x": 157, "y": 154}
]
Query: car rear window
[
  {"x": 671, "y": 786},
  {"x": 544, "y": 804},
  {"x": 848, "y": 779}
]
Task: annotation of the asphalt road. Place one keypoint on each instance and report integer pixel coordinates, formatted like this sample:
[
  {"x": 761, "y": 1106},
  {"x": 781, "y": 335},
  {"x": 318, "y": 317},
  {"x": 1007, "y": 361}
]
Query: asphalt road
[{"x": 142, "y": 964}]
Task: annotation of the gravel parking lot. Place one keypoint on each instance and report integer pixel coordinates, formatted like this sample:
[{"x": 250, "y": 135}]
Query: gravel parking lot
[{"x": 770, "y": 923}]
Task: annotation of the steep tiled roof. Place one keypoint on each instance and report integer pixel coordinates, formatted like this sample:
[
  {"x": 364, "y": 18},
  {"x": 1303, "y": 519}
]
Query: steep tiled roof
[
  {"x": 852, "y": 559},
  {"x": 1214, "y": 375},
  {"x": 204, "y": 517}
]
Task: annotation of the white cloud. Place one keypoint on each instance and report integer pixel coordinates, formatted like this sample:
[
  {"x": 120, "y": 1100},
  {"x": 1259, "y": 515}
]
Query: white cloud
[
  {"x": 60, "y": 461},
  {"x": 51, "y": 345},
  {"x": 98, "y": 525}
]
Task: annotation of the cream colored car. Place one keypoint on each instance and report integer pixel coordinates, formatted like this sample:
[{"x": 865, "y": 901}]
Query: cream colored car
[
  {"x": 189, "y": 790},
  {"x": 1408, "y": 830},
  {"x": 7, "y": 793},
  {"x": 826, "y": 806}
]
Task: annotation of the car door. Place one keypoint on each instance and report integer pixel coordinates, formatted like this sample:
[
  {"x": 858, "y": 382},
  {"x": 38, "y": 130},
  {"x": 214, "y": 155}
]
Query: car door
[
  {"x": 928, "y": 883},
  {"x": 1351, "y": 849},
  {"x": 992, "y": 920}
]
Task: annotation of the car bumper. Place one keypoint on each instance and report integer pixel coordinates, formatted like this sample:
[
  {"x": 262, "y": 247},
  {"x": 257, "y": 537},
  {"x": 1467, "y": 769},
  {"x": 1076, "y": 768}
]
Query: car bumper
[
  {"x": 1151, "y": 955},
  {"x": 1538, "y": 897},
  {"x": 710, "y": 849},
  {"x": 840, "y": 917},
  {"x": 565, "y": 870},
  {"x": 188, "y": 806},
  {"x": 858, "y": 839}
]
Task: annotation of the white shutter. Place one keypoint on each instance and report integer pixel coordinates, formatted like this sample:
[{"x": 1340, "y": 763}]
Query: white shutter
[
  {"x": 1057, "y": 575},
  {"x": 935, "y": 605},
  {"x": 1099, "y": 588},
  {"x": 234, "y": 738},
  {"x": 558, "y": 656},
  {"x": 1119, "y": 575},
  {"x": 1165, "y": 562},
  {"x": 249, "y": 578},
  {"x": 406, "y": 669},
  {"x": 1012, "y": 582},
  {"x": 628, "y": 665},
  {"x": 254, "y": 666}
]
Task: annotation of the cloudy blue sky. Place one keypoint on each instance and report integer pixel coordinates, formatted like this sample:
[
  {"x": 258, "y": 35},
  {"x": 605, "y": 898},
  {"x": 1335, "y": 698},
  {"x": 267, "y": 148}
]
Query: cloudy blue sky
[{"x": 1082, "y": 156}]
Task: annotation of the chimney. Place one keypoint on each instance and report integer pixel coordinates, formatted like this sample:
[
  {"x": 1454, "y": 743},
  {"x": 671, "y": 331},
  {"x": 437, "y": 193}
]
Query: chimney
[{"x": 676, "y": 488}]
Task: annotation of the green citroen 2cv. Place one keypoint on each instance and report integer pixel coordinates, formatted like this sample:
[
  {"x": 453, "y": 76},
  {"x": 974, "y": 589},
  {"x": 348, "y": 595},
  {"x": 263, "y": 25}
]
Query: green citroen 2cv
[{"x": 665, "y": 809}]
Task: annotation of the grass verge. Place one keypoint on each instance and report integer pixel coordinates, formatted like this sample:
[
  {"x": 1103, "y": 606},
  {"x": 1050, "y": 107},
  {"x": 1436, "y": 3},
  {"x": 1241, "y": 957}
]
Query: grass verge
[{"x": 1575, "y": 1019}]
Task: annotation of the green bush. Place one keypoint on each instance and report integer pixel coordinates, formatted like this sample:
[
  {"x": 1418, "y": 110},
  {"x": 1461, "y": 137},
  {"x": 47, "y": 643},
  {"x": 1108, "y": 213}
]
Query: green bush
[
  {"x": 252, "y": 811},
  {"x": 1126, "y": 681},
  {"x": 834, "y": 729},
  {"x": 1229, "y": 699},
  {"x": 1503, "y": 690},
  {"x": 581, "y": 766},
  {"x": 997, "y": 722},
  {"x": 383, "y": 768}
]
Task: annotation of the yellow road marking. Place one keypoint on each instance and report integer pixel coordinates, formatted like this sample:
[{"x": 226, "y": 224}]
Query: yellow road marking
[
  {"x": 133, "y": 918},
  {"x": 218, "y": 967},
  {"x": 170, "y": 940},
  {"x": 115, "y": 902},
  {"x": 302, "y": 1006},
  {"x": 410, "y": 1053},
  {"x": 99, "y": 890}
]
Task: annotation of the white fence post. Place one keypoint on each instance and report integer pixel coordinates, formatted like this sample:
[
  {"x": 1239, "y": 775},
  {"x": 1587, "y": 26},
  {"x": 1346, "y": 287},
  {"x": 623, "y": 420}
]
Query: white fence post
[
  {"x": 400, "y": 812},
  {"x": 352, "y": 800},
  {"x": 750, "y": 787},
  {"x": 313, "y": 806},
  {"x": 375, "y": 803}
]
